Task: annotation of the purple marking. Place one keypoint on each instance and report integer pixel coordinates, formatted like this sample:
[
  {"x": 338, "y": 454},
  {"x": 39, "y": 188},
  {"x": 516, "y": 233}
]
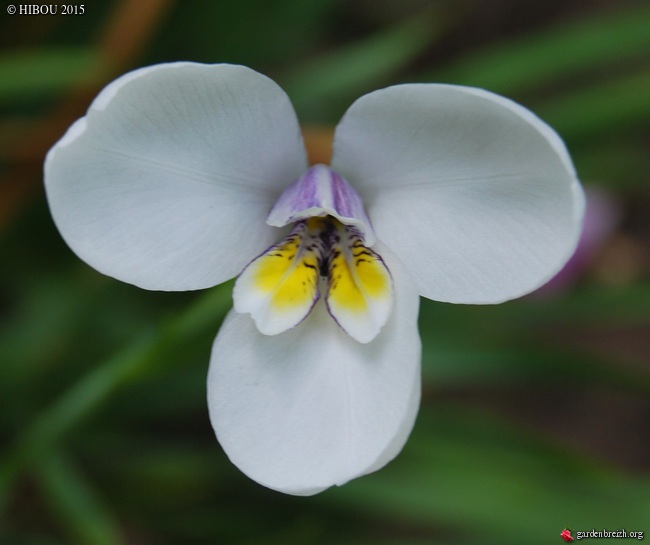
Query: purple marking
[
  {"x": 303, "y": 193},
  {"x": 321, "y": 192},
  {"x": 347, "y": 201}
]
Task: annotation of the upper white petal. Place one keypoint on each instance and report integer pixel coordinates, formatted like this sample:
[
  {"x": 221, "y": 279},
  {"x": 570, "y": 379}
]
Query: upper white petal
[
  {"x": 474, "y": 193},
  {"x": 311, "y": 408},
  {"x": 167, "y": 181}
]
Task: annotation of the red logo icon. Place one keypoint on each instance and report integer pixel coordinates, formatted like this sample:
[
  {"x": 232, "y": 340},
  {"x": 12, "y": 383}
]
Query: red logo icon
[{"x": 566, "y": 535}]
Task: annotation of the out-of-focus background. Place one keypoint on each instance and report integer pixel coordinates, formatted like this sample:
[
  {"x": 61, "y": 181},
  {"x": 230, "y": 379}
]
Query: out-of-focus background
[{"x": 535, "y": 413}]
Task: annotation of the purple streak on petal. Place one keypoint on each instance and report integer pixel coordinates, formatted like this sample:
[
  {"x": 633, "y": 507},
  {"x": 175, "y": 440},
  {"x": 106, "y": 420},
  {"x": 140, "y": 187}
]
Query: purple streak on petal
[
  {"x": 346, "y": 201},
  {"x": 321, "y": 192},
  {"x": 305, "y": 194}
]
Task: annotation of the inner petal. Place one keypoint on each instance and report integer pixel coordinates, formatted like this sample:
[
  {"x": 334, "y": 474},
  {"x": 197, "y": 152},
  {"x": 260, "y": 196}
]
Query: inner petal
[
  {"x": 280, "y": 287},
  {"x": 360, "y": 294},
  {"x": 322, "y": 192}
]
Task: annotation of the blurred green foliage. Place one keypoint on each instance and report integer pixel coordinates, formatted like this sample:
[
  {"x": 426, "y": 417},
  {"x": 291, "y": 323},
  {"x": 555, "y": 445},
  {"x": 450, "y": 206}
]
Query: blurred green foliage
[
  {"x": 105, "y": 435},
  {"x": 38, "y": 73}
]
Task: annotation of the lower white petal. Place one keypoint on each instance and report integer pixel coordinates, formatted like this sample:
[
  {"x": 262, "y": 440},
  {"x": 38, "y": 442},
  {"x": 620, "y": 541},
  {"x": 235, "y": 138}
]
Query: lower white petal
[
  {"x": 474, "y": 193},
  {"x": 311, "y": 408}
]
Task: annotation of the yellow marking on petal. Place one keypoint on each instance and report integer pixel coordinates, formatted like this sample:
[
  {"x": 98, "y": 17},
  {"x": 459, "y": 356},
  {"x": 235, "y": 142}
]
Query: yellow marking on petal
[
  {"x": 357, "y": 278},
  {"x": 360, "y": 286},
  {"x": 280, "y": 287},
  {"x": 288, "y": 272}
]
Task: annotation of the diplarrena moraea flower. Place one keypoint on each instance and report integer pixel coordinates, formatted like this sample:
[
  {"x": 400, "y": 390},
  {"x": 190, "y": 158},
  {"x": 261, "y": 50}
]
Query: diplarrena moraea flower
[{"x": 183, "y": 175}]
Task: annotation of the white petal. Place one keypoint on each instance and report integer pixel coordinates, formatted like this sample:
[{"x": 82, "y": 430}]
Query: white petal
[
  {"x": 167, "y": 181},
  {"x": 311, "y": 408},
  {"x": 474, "y": 193}
]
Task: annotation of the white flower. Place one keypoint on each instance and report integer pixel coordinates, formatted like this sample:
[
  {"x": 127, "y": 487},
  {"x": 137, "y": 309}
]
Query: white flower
[{"x": 182, "y": 174}]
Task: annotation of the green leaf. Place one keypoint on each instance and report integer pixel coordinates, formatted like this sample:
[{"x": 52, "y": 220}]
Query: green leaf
[
  {"x": 319, "y": 87},
  {"x": 148, "y": 351},
  {"x": 76, "y": 506},
  {"x": 487, "y": 482},
  {"x": 620, "y": 165},
  {"x": 38, "y": 72},
  {"x": 508, "y": 343},
  {"x": 566, "y": 50},
  {"x": 601, "y": 110}
]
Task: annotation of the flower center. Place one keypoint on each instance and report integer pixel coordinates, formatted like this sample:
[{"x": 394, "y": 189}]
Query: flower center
[{"x": 324, "y": 253}]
